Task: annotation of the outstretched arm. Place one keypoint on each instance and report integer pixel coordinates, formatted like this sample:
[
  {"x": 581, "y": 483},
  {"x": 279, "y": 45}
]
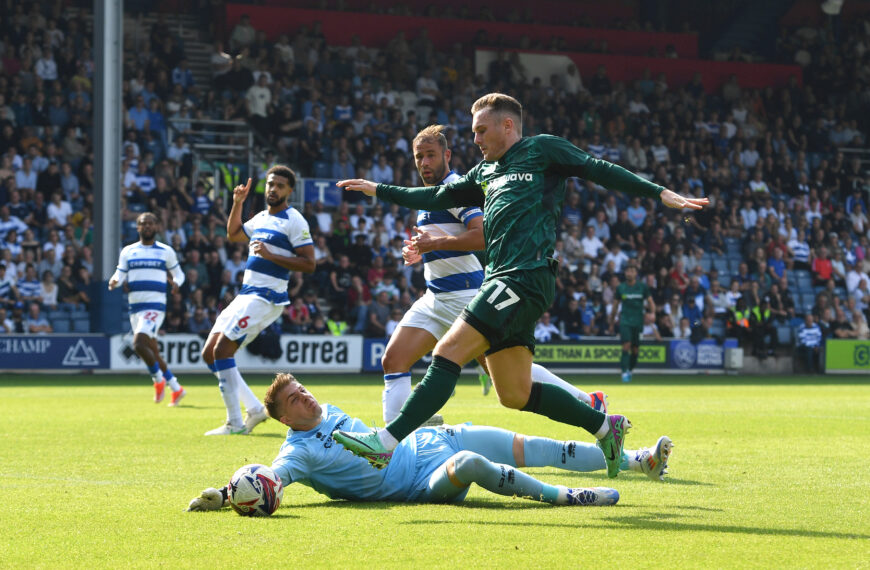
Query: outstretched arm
[{"x": 462, "y": 192}]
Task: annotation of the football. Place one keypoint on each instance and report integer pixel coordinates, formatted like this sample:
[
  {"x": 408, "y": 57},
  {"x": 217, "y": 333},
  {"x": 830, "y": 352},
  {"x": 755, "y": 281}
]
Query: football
[{"x": 255, "y": 491}]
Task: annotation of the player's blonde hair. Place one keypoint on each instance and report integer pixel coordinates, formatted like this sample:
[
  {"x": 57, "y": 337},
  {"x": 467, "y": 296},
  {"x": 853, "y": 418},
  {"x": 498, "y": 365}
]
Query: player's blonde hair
[
  {"x": 431, "y": 134},
  {"x": 501, "y": 103},
  {"x": 281, "y": 381}
]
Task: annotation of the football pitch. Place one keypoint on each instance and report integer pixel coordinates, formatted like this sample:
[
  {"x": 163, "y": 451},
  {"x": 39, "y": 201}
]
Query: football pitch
[{"x": 766, "y": 472}]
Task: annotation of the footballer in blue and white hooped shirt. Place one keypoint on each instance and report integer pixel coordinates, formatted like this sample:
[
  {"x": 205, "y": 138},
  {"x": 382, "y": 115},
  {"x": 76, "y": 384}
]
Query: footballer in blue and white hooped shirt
[
  {"x": 144, "y": 266},
  {"x": 280, "y": 242},
  {"x": 444, "y": 242}
]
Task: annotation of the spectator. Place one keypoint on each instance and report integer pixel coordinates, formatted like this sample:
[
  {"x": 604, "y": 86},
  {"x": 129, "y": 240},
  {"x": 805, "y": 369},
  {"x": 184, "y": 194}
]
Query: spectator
[
  {"x": 546, "y": 331},
  {"x": 36, "y": 323},
  {"x": 809, "y": 343},
  {"x": 48, "y": 290},
  {"x": 762, "y": 329},
  {"x": 650, "y": 328},
  {"x": 199, "y": 323},
  {"x": 822, "y": 270},
  {"x": 378, "y": 316}
]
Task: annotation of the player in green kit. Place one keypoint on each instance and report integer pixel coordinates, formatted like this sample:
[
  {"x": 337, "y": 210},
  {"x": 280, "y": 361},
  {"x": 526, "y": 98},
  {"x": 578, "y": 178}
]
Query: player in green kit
[
  {"x": 631, "y": 295},
  {"x": 521, "y": 186}
]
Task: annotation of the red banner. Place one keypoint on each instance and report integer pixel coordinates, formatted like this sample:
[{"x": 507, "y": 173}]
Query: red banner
[
  {"x": 376, "y": 30},
  {"x": 546, "y": 11}
]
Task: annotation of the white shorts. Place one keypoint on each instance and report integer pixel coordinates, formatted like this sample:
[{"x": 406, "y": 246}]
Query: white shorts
[
  {"x": 245, "y": 317},
  {"x": 436, "y": 313},
  {"x": 147, "y": 322}
]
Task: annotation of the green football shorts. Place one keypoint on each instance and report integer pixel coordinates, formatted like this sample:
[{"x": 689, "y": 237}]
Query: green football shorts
[
  {"x": 507, "y": 307},
  {"x": 630, "y": 333}
]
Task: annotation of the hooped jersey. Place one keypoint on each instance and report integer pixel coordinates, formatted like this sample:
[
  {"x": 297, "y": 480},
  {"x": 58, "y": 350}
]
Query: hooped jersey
[
  {"x": 144, "y": 269},
  {"x": 281, "y": 233},
  {"x": 450, "y": 271}
]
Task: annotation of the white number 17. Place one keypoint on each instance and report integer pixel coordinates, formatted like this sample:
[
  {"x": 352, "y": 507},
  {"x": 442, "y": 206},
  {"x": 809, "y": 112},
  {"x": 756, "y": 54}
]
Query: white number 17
[{"x": 512, "y": 297}]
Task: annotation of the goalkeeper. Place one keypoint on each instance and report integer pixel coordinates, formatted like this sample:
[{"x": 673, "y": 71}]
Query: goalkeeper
[{"x": 434, "y": 465}]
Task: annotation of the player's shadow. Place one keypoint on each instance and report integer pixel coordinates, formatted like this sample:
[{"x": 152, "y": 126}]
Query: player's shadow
[
  {"x": 589, "y": 479},
  {"x": 649, "y": 521},
  {"x": 467, "y": 504},
  {"x": 663, "y": 521}
]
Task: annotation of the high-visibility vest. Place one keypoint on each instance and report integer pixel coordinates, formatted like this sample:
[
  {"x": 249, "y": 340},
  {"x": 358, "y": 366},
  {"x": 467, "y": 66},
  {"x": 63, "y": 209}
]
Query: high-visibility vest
[
  {"x": 264, "y": 167},
  {"x": 742, "y": 319},
  {"x": 230, "y": 176},
  {"x": 758, "y": 314},
  {"x": 337, "y": 328}
]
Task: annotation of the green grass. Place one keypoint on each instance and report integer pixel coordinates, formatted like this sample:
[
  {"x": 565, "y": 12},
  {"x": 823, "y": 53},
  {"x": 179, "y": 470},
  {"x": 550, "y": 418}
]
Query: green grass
[{"x": 766, "y": 473}]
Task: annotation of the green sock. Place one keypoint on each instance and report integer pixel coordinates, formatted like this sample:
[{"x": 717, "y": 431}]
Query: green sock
[
  {"x": 427, "y": 398},
  {"x": 624, "y": 361},
  {"x": 557, "y": 404},
  {"x": 633, "y": 361}
]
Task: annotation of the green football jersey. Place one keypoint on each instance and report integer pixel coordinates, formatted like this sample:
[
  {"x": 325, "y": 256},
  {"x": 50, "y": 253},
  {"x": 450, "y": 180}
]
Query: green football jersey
[
  {"x": 521, "y": 194},
  {"x": 632, "y": 297}
]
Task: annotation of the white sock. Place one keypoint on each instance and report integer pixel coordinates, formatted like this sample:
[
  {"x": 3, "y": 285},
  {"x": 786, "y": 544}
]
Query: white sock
[
  {"x": 387, "y": 439},
  {"x": 250, "y": 401},
  {"x": 541, "y": 374},
  {"x": 633, "y": 463},
  {"x": 481, "y": 370},
  {"x": 157, "y": 378},
  {"x": 397, "y": 389},
  {"x": 173, "y": 384},
  {"x": 603, "y": 430},
  {"x": 230, "y": 378},
  {"x": 561, "y": 495}
]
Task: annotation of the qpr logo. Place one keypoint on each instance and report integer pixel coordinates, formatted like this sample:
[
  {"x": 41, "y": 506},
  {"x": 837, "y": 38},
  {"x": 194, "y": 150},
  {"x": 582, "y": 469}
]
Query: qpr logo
[{"x": 684, "y": 355}]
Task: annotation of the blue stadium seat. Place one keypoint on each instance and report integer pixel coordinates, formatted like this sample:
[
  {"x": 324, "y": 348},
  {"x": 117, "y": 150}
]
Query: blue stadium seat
[
  {"x": 56, "y": 315},
  {"x": 734, "y": 264},
  {"x": 82, "y": 326},
  {"x": 783, "y": 335},
  {"x": 60, "y": 325},
  {"x": 717, "y": 330},
  {"x": 725, "y": 281},
  {"x": 720, "y": 263},
  {"x": 807, "y": 303},
  {"x": 79, "y": 314},
  {"x": 803, "y": 274},
  {"x": 706, "y": 264},
  {"x": 322, "y": 169},
  {"x": 125, "y": 326}
]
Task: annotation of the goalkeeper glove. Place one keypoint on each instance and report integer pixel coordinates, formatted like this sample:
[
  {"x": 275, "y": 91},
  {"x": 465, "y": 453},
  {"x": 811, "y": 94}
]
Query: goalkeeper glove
[{"x": 210, "y": 499}]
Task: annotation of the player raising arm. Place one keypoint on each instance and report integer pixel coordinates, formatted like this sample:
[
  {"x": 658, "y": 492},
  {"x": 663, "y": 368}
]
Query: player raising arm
[
  {"x": 280, "y": 242},
  {"x": 444, "y": 242},
  {"x": 146, "y": 266},
  {"x": 434, "y": 465},
  {"x": 521, "y": 185}
]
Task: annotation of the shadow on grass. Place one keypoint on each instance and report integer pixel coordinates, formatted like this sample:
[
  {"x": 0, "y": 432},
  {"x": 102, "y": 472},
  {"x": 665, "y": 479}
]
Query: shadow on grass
[
  {"x": 467, "y": 504},
  {"x": 658, "y": 521}
]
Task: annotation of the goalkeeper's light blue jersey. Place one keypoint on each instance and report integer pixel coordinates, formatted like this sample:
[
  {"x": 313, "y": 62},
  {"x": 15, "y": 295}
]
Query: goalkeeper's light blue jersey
[{"x": 313, "y": 458}]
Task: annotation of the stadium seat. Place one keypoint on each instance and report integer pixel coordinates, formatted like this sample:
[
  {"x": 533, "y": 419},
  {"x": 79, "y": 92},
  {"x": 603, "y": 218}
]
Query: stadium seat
[
  {"x": 783, "y": 335},
  {"x": 61, "y": 325},
  {"x": 322, "y": 169},
  {"x": 720, "y": 263},
  {"x": 724, "y": 280},
  {"x": 81, "y": 326},
  {"x": 125, "y": 326},
  {"x": 79, "y": 314},
  {"x": 56, "y": 315},
  {"x": 807, "y": 303}
]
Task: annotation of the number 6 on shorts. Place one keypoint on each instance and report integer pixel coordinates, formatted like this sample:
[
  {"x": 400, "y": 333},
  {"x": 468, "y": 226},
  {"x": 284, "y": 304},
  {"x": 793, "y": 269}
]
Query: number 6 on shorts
[{"x": 499, "y": 287}]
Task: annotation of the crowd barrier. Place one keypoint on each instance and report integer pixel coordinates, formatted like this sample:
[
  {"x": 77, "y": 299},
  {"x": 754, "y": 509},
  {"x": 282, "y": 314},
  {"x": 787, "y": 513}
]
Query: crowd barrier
[{"x": 354, "y": 354}]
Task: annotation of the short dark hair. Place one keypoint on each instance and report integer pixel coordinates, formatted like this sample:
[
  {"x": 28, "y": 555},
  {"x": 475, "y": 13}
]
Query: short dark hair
[
  {"x": 500, "y": 103},
  {"x": 286, "y": 172}
]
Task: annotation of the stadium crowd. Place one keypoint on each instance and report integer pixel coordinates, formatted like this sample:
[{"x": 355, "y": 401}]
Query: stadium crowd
[{"x": 781, "y": 254}]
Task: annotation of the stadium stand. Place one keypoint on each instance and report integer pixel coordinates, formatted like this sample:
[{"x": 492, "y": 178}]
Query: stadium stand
[{"x": 775, "y": 136}]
